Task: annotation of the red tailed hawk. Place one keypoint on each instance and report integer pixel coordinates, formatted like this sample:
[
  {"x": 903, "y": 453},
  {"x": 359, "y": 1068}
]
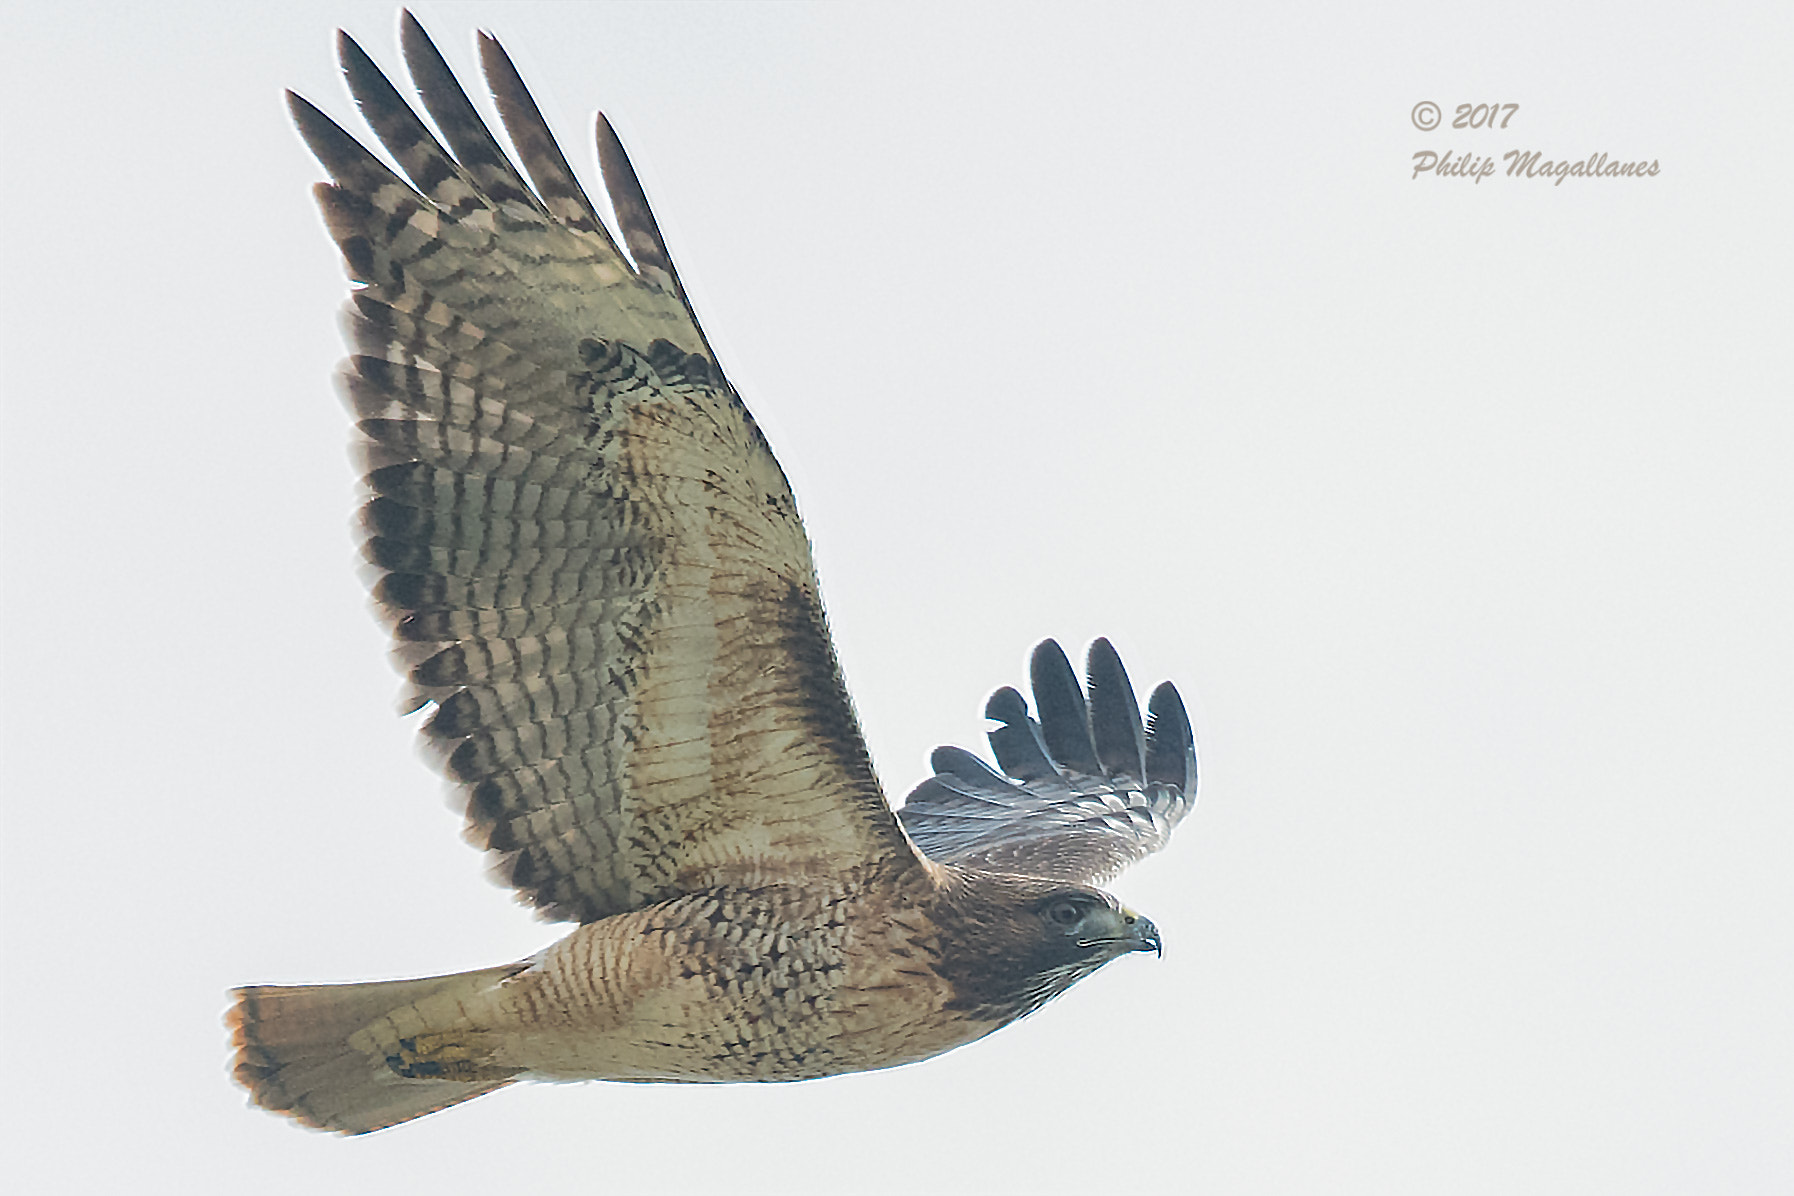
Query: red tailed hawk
[{"x": 596, "y": 571}]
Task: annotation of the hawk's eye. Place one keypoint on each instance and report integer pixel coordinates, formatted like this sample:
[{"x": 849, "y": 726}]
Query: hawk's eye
[{"x": 1065, "y": 913}]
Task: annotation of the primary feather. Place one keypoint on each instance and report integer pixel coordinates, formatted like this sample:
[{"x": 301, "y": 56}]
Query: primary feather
[{"x": 1089, "y": 789}]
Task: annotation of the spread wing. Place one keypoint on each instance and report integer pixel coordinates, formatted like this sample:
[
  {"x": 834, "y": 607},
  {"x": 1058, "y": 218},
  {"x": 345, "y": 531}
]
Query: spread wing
[
  {"x": 591, "y": 561},
  {"x": 1085, "y": 791}
]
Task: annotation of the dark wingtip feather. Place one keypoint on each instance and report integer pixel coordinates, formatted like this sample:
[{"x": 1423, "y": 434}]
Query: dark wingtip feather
[
  {"x": 534, "y": 141},
  {"x": 393, "y": 121},
  {"x": 1085, "y": 791},
  {"x": 359, "y": 176},
  {"x": 329, "y": 144},
  {"x": 1114, "y": 714},
  {"x": 957, "y": 762},
  {"x": 467, "y": 135},
  {"x": 1170, "y": 742},
  {"x": 1016, "y": 743},
  {"x": 350, "y": 56},
  {"x": 641, "y": 232},
  {"x": 411, "y": 32},
  {"x": 1064, "y": 719},
  {"x": 1006, "y": 705},
  {"x": 635, "y": 220}
]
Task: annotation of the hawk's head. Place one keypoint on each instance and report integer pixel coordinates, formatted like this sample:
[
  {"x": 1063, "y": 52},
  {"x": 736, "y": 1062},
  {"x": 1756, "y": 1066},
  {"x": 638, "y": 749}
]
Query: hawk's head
[{"x": 1009, "y": 944}]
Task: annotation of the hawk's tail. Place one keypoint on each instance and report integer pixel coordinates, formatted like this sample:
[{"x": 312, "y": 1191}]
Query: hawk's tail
[{"x": 295, "y": 1055}]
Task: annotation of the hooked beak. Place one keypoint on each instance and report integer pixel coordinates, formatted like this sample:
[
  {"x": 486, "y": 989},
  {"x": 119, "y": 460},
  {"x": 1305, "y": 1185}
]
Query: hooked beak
[
  {"x": 1129, "y": 932},
  {"x": 1146, "y": 936}
]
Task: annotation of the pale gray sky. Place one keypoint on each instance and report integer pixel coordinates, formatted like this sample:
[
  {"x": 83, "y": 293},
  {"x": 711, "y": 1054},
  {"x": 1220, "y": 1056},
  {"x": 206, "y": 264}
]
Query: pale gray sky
[{"x": 1461, "y": 512}]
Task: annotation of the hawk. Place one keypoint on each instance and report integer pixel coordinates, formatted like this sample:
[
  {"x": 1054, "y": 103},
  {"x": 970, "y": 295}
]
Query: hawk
[{"x": 595, "y": 573}]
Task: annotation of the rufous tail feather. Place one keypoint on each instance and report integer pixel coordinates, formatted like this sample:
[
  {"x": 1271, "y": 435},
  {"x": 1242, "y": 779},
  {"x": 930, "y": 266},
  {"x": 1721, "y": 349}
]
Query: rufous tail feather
[{"x": 295, "y": 1055}]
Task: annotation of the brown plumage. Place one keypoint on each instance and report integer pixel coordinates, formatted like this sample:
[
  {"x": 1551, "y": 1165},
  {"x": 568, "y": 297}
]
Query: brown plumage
[{"x": 595, "y": 570}]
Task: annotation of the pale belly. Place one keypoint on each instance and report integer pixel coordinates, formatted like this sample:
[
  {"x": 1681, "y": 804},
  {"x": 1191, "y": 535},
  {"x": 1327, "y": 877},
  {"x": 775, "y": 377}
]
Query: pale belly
[{"x": 709, "y": 989}]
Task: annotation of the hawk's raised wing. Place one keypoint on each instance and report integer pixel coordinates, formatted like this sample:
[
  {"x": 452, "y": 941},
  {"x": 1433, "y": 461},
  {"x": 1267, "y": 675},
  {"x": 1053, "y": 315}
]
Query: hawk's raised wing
[
  {"x": 1089, "y": 790},
  {"x": 590, "y": 557}
]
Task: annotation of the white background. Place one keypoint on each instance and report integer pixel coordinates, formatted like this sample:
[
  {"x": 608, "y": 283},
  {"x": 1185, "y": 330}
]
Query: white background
[{"x": 1462, "y": 513}]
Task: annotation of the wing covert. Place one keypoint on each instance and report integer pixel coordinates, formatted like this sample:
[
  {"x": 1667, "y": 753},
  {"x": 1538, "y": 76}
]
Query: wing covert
[
  {"x": 587, "y": 553},
  {"x": 1084, "y": 792}
]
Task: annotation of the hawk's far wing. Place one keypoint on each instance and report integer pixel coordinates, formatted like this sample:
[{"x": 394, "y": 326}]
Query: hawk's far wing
[
  {"x": 592, "y": 562},
  {"x": 1088, "y": 789}
]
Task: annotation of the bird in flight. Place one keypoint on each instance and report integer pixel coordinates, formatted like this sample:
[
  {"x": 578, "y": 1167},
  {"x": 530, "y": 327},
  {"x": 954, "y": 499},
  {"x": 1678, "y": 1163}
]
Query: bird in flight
[{"x": 595, "y": 573}]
